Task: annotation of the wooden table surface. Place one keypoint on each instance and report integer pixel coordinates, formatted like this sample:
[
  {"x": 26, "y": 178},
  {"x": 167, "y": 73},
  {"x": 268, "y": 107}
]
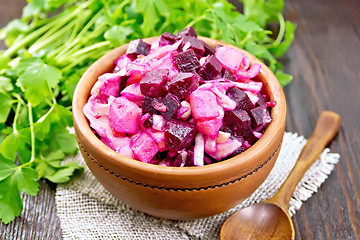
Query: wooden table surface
[{"x": 325, "y": 62}]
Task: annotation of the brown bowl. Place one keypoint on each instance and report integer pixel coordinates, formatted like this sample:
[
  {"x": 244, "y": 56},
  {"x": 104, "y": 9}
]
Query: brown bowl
[{"x": 175, "y": 192}]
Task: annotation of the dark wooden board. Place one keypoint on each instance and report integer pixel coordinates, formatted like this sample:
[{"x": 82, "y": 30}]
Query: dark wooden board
[{"x": 325, "y": 62}]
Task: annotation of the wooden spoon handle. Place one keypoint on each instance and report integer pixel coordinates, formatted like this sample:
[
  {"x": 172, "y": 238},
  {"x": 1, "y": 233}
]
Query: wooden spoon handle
[{"x": 327, "y": 126}]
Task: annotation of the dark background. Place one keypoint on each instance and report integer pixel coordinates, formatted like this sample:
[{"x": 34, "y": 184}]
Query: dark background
[{"x": 325, "y": 62}]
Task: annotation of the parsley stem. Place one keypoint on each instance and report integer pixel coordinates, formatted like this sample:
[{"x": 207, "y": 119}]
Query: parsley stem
[
  {"x": 198, "y": 19},
  {"x": 281, "y": 33},
  {"x": 52, "y": 34},
  {"x": 32, "y": 133},
  {"x": 38, "y": 32},
  {"x": 75, "y": 41},
  {"x": 16, "y": 117},
  {"x": 245, "y": 39},
  {"x": 90, "y": 48},
  {"x": 83, "y": 54}
]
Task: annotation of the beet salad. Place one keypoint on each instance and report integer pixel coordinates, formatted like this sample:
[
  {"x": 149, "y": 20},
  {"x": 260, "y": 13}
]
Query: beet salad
[{"x": 178, "y": 102}]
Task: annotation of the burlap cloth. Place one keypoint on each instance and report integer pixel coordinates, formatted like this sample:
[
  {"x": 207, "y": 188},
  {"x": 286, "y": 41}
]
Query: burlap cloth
[{"x": 88, "y": 211}]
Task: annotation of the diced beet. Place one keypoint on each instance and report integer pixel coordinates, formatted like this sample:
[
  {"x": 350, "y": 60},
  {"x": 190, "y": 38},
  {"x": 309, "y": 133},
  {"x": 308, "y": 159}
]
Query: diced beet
[
  {"x": 195, "y": 44},
  {"x": 147, "y": 107},
  {"x": 249, "y": 140},
  {"x": 123, "y": 81},
  {"x": 177, "y": 161},
  {"x": 166, "y": 39},
  {"x": 189, "y": 159},
  {"x": 144, "y": 147},
  {"x": 169, "y": 36},
  {"x": 148, "y": 122},
  {"x": 241, "y": 98},
  {"x": 262, "y": 100},
  {"x": 183, "y": 84},
  {"x": 227, "y": 74},
  {"x": 137, "y": 47},
  {"x": 261, "y": 118},
  {"x": 172, "y": 104},
  {"x": 124, "y": 116},
  {"x": 186, "y": 61},
  {"x": 179, "y": 134},
  {"x": 208, "y": 50},
  {"x": 211, "y": 68},
  {"x": 207, "y": 159},
  {"x": 189, "y": 31},
  {"x": 204, "y": 104},
  {"x": 238, "y": 121},
  {"x": 152, "y": 83}
]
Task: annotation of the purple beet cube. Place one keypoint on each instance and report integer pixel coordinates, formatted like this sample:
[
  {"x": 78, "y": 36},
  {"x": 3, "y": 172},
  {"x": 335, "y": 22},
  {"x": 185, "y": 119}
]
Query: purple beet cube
[
  {"x": 148, "y": 123},
  {"x": 227, "y": 74},
  {"x": 172, "y": 104},
  {"x": 183, "y": 84},
  {"x": 179, "y": 135},
  {"x": 208, "y": 50},
  {"x": 261, "y": 101},
  {"x": 166, "y": 39},
  {"x": 241, "y": 98},
  {"x": 211, "y": 68},
  {"x": 137, "y": 47},
  {"x": 123, "y": 81},
  {"x": 189, "y": 31},
  {"x": 186, "y": 61},
  {"x": 195, "y": 44},
  {"x": 189, "y": 158},
  {"x": 144, "y": 147},
  {"x": 261, "y": 118},
  {"x": 238, "y": 121},
  {"x": 152, "y": 83},
  {"x": 147, "y": 105},
  {"x": 177, "y": 161}
]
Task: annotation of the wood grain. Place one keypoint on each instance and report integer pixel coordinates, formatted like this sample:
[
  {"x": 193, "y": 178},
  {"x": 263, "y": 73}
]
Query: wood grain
[{"x": 324, "y": 60}]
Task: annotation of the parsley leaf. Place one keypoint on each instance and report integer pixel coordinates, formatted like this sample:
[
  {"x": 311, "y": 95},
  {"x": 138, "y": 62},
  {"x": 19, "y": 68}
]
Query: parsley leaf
[
  {"x": 5, "y": 105},
  {"x": 13, "y": 142},
  {"x": 13, "y": 180},
  {"x": 36, "y": 78}
]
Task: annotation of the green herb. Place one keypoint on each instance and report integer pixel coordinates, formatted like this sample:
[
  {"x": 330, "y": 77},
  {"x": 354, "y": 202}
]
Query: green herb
[{"x": 54, "y": 42}]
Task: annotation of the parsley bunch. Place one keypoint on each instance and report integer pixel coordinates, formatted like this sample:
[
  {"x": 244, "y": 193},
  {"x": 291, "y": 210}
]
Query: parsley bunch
[{"x": 53, "y": 43}]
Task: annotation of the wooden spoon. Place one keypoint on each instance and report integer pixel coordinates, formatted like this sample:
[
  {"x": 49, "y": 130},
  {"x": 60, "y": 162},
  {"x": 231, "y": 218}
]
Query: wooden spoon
[{"x": 270, "y": 219}]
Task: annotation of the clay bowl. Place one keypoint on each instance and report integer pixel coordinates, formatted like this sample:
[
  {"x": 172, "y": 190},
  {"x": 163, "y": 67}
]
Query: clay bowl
[{"x": 179, "y": 193}]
